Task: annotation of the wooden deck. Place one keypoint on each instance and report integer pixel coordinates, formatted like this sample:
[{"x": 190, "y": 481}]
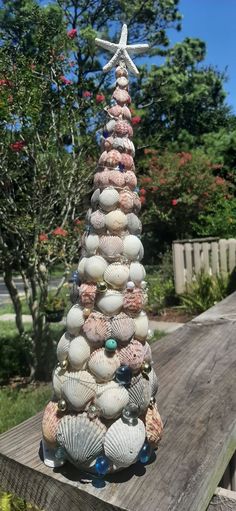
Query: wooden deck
[{"x": 196, "y": 366}]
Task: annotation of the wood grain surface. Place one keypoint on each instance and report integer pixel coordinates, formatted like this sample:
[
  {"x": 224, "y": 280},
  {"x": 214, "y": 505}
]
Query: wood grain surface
[{"x": 196, "y": 366}]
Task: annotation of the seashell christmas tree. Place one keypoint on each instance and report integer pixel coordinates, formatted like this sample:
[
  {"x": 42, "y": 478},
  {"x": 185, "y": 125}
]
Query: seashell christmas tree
[{"x": 103, "y": 415}]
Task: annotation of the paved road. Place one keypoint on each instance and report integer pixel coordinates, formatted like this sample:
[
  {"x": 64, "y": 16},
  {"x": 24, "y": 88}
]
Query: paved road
[{"x": 4, "y": 296}]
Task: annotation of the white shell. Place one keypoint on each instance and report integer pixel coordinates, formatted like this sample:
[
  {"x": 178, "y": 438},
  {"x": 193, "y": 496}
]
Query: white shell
[
  {"x": 79, "y": 352},
  {"x": 112, "y": 400},
  {"x": 81, "y": 438},
  {"x": 134, "y": 224},
  {"x": 97, "y": 220},
  {"x": 123, "y": 442},
  {"x": 153, "y": 382},
  {"x": 110, "y": 126},
  {"x": 140, "y": 392},
  {"x": 116, "y": 274},
  {"x": 110, "y": 247},
  {"x": 141, "y": 253},
  {"x": 78, "y": 389},
  {"x": 63, "y": 347},
  {"x": 122, "y": 328},
  {"x": 116, "y": 220},
  {"x": 110, "y": 302},
  {"x": 91, "y": 243},
  {"x": 94, "y": 268},
  {"x": 141, "y": 326},
  {"x": 95, "y": 197},
  {"x": 103, "y": 365},
  {"x": 81, "y": 267},
  {"x": 132, "y": 247},
  {"x": 136, "y": 273},
  {"x": 118, "y": 143},
  {"x": 122, "y": 81},
  {"x": 58, "y": 377},
  {"x": 108, "y": 199},
  {"x": 74, "y": 320}
]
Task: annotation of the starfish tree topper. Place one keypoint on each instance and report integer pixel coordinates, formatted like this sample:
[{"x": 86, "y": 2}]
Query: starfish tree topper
[{"x": 121, "y": 51}]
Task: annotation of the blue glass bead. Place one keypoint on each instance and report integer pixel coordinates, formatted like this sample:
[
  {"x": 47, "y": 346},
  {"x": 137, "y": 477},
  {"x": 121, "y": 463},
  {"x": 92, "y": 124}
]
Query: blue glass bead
[
  {"x": 121, "y": 167},
  {"x": 110, "y": 345},
  {"x": 87, "y": 228},
  {"x": 102, "y": 465},
  {"x": 123, "y": 375},
  {"x": 60, "y": 454},
  {"x": 75, "y": 277},
  {"x": 145, "y": 453},
  {"x": 105, "y": 134},
  {"x": 113, "y": 102},
  {"x": 136, "y": 189}
]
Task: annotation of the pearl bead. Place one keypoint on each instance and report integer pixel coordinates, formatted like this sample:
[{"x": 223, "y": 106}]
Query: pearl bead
[
  {"x": 61, "y": 405},
  {"x": 130, "y": 285},
  {"x": 150, "y": 334},
  {"x": 110, "y": 345},
  {"x": 143, "y": 284},
  {"x": 93, "y": 411},
  {"x": 86, "y": 312}
]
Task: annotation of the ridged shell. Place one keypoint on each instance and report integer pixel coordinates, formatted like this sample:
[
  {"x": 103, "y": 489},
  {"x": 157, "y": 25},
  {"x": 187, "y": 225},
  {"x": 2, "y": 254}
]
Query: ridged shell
[
  {"x": 88, "y": 215},
  {"x": 127, "y": 161},
  {"x": 113, "y": 158},
  {"x": 126, "y": 201},
  {"x": 132, "y": 246},
  {"x": 110, "y": 126},
  {"x": 121, "y": 96},
  {"x": 108, "y": 199},
  {"x": 102, "y": 159},
  {"x": 147, "y": 354},
  {"x": 110, "y": 247},
  {"x": 133, "y": 301},
  {"x": 121, "y": 71},
  {"x": 136, "y": 273},
  {"x": 122, "y": 328},
  {"x": 110, "y": 302},
  {"x": 98, "y": 220},
  {"x": 78, "y": 389},
  {"x": 108, "y": 143},
  {"x": 79, "y": 352},
  {"x": 115, "y": 111},
  {"x": 81, "y": 438},
  {"x": 80, "y": 268},
  {"x": 50, "y": 422},
  {"x": 112, "y": 400},
  {"x": 123, "y": 442},
  {"x": 153, "y": 382},
  {"x": 87, "y": 293},
  {"x": 95, "y": 197},
  {"x": 130, "y": 179},
  {"x": 141, "y": 326},
  {"x": 101, "y": 179},
  {"x": 139, "y": 392},
  {"x": 91, "y": 243},
  {"x": 123, "y": 128},
  {"x": 63, "y": 346},
  {"x": 154, "y": 426},
  {"x": 132, "y": 355},
  {"x": 134, "y": 225},
  {"x": 129, "y": 146},
  {"x": 116, "y": 274},
  {"x": 116, "y": 178},
  {"x": 74, "y": 320},
  {"x": 58, "y": 378},
  {"x": 122, "y": 82},
  {"x": 103, "y": 365},
  {"x": 116, "y": 220},
  {"x": 118, "y": 143},
  {"x": 94, "y": 267},
  {"x": 97, "y": 328},
  {"x": 126, "y": 113}
]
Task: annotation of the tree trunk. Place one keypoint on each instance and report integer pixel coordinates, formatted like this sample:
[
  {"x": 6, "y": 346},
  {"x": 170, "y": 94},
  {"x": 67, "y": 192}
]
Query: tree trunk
[{"x": 14, "y": 294}]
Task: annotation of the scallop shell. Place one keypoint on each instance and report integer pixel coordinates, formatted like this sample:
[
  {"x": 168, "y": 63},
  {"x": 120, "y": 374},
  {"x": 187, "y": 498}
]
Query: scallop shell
[
  {"x": 108, "y": 199},
  {"x": 126, "y": 113},
  {"x": 98, "y": 220},
  {"x": 141, "y": 253},
  {"x": 153, "y": 382},
  {"x": 139, "y": 392},
  {"x": 122, "y": 327},
  {"x": 121, "y": 71},
  {"x": 63, "y": 346},
  {"x": 79, "y": 352},
  {"x": 78, "y": 389},
  {"x": 132, "y": 355},
  {"x": 103, "y": 365},
  {"x": 80, "y": 268},
  {"x": 123, "y": 442},
  {"x": 118, "y": 143},
  {"x": 101, "y": 179},
  {"x": 91, "y": 243},
  {"x": 137, "y": 203},
  {"x": 102, "y": 159},
  {"x": 127, "y": 161},
  {"x": 121, "y": 96},
  {"x": 108, "y": 143},
  {"x": 132, "y": 246},
  {"x": 112, "y": 400},
  {"x": 115, "y": 111},
  {"x": 130, "y": 179},
  {"x": 147, "y": 354},
  {"x": 123, "y": 128},
  {"x": 87, "y": 293},
  {"x": 116, "y": 220},
  {"x": 133, "y": 301},
  {"x": 133, "y": 223},
  {"x": 97, "y": 328},
  {"x": 50, "y": 422},
  {"x": 154, "y": 426},
  {"x": 122, "y": 82},
  {"x": 126, "y": 201},
  {"x": 129, "y": 146},
  {"x": 110, "y": 302},
  {"x": 141, "y": 326},
  {"x": 116, "y": 274},
  {"x": 136, "y": 273},
  {"x": 113, "y": 158},
  {"x": 88, "y": 215},
  {"x": 74, "y": 320},
  {"x": 116, "y": 178},
  {"x": 58, "y": 377},
  {"x": 110, "y": 126},
  {"x": 94, "y": 198},
  {"x": 110, "y": 247},
  {"x": 81, "y": 438},
  {"x": 94, "y": 267}
]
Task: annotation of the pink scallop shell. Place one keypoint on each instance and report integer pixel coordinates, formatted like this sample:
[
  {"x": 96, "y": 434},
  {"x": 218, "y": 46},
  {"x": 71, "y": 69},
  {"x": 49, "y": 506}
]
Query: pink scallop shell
[
  {"x": 115, "y": 111},
  {"x": 122, "y": 328},
  {"x": 103, "y": 158},
  {"x": 132, "y": 355},
  {"x": 97, "y": 220},
  {"x": 130, "y": 179},
  {"x": 97, "y": 328},
  {"x": 153, "y": 425},
  {"x": 50, "y": 423},
  {"x": 126, "y": 201},
  {"x": 133, "y": 301},
  {"x": 127, "y": 161},
  {"x": 87, "y": 293},
  {"x": 123, "y": 128},
  {"x": 113, "y": 158},
  {"x": 116, "y": 178},
  {"x": 121, "y": 96},
  {"x": 126, "y": 113}
]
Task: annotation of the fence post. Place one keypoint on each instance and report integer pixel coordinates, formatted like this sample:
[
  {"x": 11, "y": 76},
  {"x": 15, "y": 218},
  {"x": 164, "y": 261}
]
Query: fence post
[{"x": 178, "y": 262}]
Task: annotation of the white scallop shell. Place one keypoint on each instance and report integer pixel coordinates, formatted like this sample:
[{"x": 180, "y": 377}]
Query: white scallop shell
[
  {"x": 79, "y": 352},
  {"x": 109, "y": 198},
  {"x": 74, "y": 320},
  {"x": 103, "y": 365},
  {"x": 81, "y": 438},
  {"x": 129, "y": 146},
  {"x": 110, "y": 126},
  {"x": 123, "y": 442},
  {"x": 63, "y": 346},
  {"x": 118, "y": 143},
  {"x": 110, "y": 302},
  {"x": 122, "y": 327},
  {"x": 116, "y": 220},
  {"x": 132, "y": 246},
  {"x": 153, "y": 382},
  {"x": 98, "y": 220},
  {"x": 91, "y": 243},
  {"x": 78, "y": 389},
  {"x": 116, "y": 274},
  {"x": 81, "y": 267},
  {"x": 136, "y": 273},
  {"x": 133, "y": 223},
  {"x": 110, "y": 247},
  {"x": 141, "y": 326},
  {"x": 122, "y": 82},
  {"x": 94, "y": 268},
  {"x": 140, "y": 392},
  {"x": 112, "y": 400},
  {"x": 95, "y": 197},
  {"x": 88, "y": 215},
  {"x": 58, "y": 377}
]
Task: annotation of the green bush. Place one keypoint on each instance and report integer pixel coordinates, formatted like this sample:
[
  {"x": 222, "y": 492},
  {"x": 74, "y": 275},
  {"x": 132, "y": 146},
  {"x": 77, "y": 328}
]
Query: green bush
[{"x": 205, "y": 292}]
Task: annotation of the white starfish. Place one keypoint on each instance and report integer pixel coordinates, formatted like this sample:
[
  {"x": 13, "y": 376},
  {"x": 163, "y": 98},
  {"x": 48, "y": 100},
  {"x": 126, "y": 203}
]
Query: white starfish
[{"x": 121, "y": 51}]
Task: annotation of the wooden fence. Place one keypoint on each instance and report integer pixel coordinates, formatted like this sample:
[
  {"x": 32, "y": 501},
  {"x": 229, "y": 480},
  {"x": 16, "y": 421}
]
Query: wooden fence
[{"x": 211, "y": 255}]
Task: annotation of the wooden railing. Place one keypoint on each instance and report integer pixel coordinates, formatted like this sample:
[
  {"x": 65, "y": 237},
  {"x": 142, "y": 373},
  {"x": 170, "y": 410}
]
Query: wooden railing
[{"x": 196, "y": 366}]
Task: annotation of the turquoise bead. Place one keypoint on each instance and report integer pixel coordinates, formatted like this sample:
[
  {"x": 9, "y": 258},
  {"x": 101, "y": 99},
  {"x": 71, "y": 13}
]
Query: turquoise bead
[
  {"x": 111, "y": 345},
  {"x": 145, "y": 453}
]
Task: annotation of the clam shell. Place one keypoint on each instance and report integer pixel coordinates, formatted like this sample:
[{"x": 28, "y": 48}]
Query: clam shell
[
  {"x": 136, "y": 273},
  {"x": 133, "y": 223},
  {"x": 126, "y": 113},
  {"x": 103, "y": 365},
  {"x": 80, "y": 268},
  {"x": 130, "y": 179},
  {"x": 79, "y": 352},
  {"x": 132, "y": 355},
  {"x": 116, "y": 274},
  {"x": 74, "y": 320},
  {"x": 58, "y": 377},
  {"x": 98, "y": 220},
  {"x": 127, "y": 161},
  {"x": 112, "y": 400},
  {"x": 141, "y": 326},
  {"x": 122, "y": 82},
  {"x": 118, "y": 143},
  {"x": 97, "y": 328},
  {"x": 123, "y": 442},
  {"x": 108, "y": 143},
  {"x": 121, "y": 96},
  {"x": 110, "y": 126},
  {"x": 129, "y": 146},
  {"x": 101, "y": 179},
  {"x": 110, "y": 302},
  {"x": 102, "y": 159},
  {"x": 113, "y": 158},
  {"x": 153, "y": 381},
  {"x": 108, "y": 199},
  {"x": 116, "y": 220},
  {"x": 133, "y": 301},
  {"x": 154, "y": 426},
  {"x": 91, "y": 243},
  {"x": 123, "y": 128},
  {"x": 132, "y": 246},
  {"x": 141, "y": 253},
  {"x": 115, "y": 111},
  {"x": 87, "y": 293},
  {"x": 95, "y": 197},
  {"x": 126, "y": 201},
  {"x": 122, "y": 328},
  {"x": 116, "y": 178},
  {"x": 139, "y": 392},
  {"x": 94, "y": 267},
  {"x": 50, "y": 422},
  {"x": 63, "y": 347},
  {"x": 110, "y": 247},
  {"x": 121, "y": 71},
  {"x": 81, "y": 438},
  {"x": 78, "y": 389}
]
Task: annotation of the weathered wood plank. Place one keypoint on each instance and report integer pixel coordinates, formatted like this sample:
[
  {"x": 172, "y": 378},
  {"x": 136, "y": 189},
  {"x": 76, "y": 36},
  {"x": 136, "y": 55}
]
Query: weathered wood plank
[
  {"x": 223, "y": 500},
  {"x": 223, "y": 311},
  {"x": 178, "y": 264}
]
